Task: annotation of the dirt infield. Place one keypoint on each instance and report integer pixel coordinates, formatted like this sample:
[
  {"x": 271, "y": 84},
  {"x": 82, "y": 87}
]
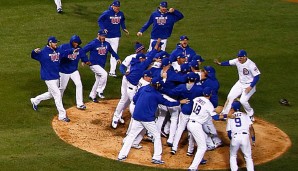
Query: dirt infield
[{"x": 90, "y": 130}]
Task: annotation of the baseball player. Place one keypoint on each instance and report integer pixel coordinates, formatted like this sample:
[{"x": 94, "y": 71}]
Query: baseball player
[
  {"x": 124, "y": 100},
  {"x": 110, "y": 21},
  {"x": 240, "y": 130},
  {"x": 69, "y": 68},
  {"x": 146, "y": 101},
  {"x": 49, "y": 70},
  {"x": 245, "y": 87},
  {"x": 202, "y": 110},
  {"x": 59, "y": 6},
  {"x": 162, "y": 21},
  {"x": 183, "y": 48},
  {"x": 99, "y": 49}
]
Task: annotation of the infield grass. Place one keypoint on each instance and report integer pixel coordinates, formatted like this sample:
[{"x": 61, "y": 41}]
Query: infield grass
[{"x": 267, "y": 29}]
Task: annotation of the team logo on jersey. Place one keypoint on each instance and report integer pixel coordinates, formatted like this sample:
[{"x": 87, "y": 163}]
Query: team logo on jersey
[
  {"x": 245, "y": 71},
  {"x": 101, "y": 50},
  {"x": 161, "y": 20},
  {"x": 115, "y": 19},
  {"x": 54, "y": 56},
  {"x": 256, "y": 69},
  {"x": 73, "y": 56}
]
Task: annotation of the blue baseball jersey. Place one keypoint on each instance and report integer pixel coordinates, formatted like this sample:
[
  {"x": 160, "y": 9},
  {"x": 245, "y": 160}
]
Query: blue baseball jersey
[
  {"x": 188, "y": 52},
  {"x": 69, "y": 61},
  {"x": 146, "y": 101},
  {"x": 186, "y": 93},
  {"x": 137, "y": 68},
  {"x": 162, "y": 23},
  {"x": 112, "y": 21},
  {"x": 49, "y": 61},
  {"x": 99, "y": 52},
  {"x": 213, "y": 83}
]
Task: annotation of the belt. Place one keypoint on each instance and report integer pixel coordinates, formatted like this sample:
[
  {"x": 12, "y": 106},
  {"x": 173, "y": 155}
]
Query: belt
[{"x": 240, "y": 133}]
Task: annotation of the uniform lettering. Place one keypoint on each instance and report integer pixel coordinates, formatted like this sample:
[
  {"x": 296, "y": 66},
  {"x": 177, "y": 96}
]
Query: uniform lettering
[
  {"x": 101, "y": 50},
  {"x": 245, "y": 71},
  {"x": 161, "y": 20},
  {"x": 73, "y": 56},
  {"x": 54, "y": 56},
  {"x": 115, "y": 19}
]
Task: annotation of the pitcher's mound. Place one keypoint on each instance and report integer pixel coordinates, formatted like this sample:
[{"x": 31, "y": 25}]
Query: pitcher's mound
[{"x": 90, "y": 130}]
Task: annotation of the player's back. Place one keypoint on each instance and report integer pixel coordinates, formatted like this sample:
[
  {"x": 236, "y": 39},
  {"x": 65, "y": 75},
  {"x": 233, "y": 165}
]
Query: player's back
[{"x": 239, "y": 124}]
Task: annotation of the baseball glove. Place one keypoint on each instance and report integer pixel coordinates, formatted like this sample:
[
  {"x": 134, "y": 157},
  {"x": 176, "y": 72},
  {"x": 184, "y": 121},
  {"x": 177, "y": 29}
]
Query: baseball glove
[{"x": 284, "y": 102}]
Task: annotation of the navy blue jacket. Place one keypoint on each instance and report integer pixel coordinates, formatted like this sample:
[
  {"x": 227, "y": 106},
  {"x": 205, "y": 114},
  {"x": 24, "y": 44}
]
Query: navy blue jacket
[
  {"x": 49, "y": 61},
  {"x": 99, "y": 52},
  {"x": 112, "y": 21},
  {"x": 146, "y": 101},
  {"x": 162, "y": 23}
]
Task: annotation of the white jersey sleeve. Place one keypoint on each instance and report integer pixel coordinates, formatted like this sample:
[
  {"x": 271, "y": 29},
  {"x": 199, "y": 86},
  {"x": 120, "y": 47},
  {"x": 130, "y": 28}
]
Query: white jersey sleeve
[{"x": 127, "y": 60}]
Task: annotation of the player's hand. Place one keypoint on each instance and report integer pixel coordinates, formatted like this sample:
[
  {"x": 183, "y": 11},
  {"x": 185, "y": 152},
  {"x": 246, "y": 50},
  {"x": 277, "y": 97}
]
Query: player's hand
[
  {"x": 118, "y": 61},
  {"x": 184, "y": 101},
  {"x": 139, "y": 34},
  {"x": 37, "y": 50},
  {"x": 106, "y": 31},
  {"x": 216, "y": 61},
  {"x": 248, "y": 89},
  {"x": 164, "y": 75},
  {"x": 76, "y": 50},
  {"x": 126, "y": 31},
  {"x": 171, "y": 10}
]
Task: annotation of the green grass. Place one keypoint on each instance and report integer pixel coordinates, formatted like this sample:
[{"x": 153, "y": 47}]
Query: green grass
[{"x": 266, "y": 29}]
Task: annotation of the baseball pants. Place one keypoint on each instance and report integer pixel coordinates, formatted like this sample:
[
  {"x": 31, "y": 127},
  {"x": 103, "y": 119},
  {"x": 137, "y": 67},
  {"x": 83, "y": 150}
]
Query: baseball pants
[
  {"x": 163, "y": 47},
  {"x": 182, "y": 124},
  {"x": 53, "y": 92},
  {"x": 76, "y": 78},
  {"x": 241, "y": 141},
  {"x": 101, "y": 77},
  {"x": 123, "y": 102},
  {"x": 58, "y": 4},
  {"x": 114, "y": 43},
  {"x": 136, "y": 128},
  {"x": 237, "y": 90},
  {"x": 196, "y": 129}
]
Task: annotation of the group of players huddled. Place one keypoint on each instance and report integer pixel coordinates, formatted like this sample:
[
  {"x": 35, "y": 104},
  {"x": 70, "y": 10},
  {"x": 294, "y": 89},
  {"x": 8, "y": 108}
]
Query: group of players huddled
[{"x": 165, "y": 92}]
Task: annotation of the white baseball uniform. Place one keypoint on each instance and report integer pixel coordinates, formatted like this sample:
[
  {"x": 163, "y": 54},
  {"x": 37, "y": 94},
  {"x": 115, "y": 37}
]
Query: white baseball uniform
[
  {"x": 101, "y": 77},
  {"x": 163, "y": 46},
  {"x": 202, "y": 111},
  {"x": 58, "y": 4},
  {"x": 239, "y": 128},
  {"x": 124, "y": 100},
  {"x": 113, "y": 62},
  {"x": 246, "y": 71}
]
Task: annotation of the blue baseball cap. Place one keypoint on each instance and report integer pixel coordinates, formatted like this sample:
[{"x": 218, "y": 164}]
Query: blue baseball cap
[
  {"x": 209, "y": 69},
  {"x": 198, "y": 58},
  {"x": 165, "y": 62},
  {"x": 147, "y": 73},
  {"x": 242, "y": 53},
  {"x": 116, "y": 3},
  {"x": 163, "y": 4},
  {"x": 185, "y": 67},
  {"x": 102, "y": 33},
  {"x": 192, "y": 76},
  {"x": 154, "y": 43},
  {"x": 207, "y": 91},
  {"x": 140, "y": 55},
  {"x": 52, "y": 39},
  {"x": 236, "y": 105},
  {"x": 155, "y": 80},
  {"x": 181, "y": 55},
  {"x": 183, "y": 37},
  {"x": 194, "y": 64}
]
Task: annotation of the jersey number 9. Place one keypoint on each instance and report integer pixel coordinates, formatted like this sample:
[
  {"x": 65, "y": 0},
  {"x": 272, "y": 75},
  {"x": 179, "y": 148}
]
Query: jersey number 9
[{"x": 238, "y": 122}]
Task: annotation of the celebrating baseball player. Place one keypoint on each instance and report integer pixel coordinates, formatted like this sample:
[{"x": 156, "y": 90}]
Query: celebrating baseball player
[
  {"x": 202, "y": 110},
  {"x": 110, "y": 21},
  {"x": 69, "y": 67},
  {"x": 124, "y": 100},
  {"x": 240, "y": 130},
  {"x": 99, "y": 49},
  {"x": 59, "y": 6},
  {"x": 49, "y": 60},
  {"x": 245, "y": 87},
  {"x": 162, "y": 21},
  {"x": 146, "y": 101}
]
